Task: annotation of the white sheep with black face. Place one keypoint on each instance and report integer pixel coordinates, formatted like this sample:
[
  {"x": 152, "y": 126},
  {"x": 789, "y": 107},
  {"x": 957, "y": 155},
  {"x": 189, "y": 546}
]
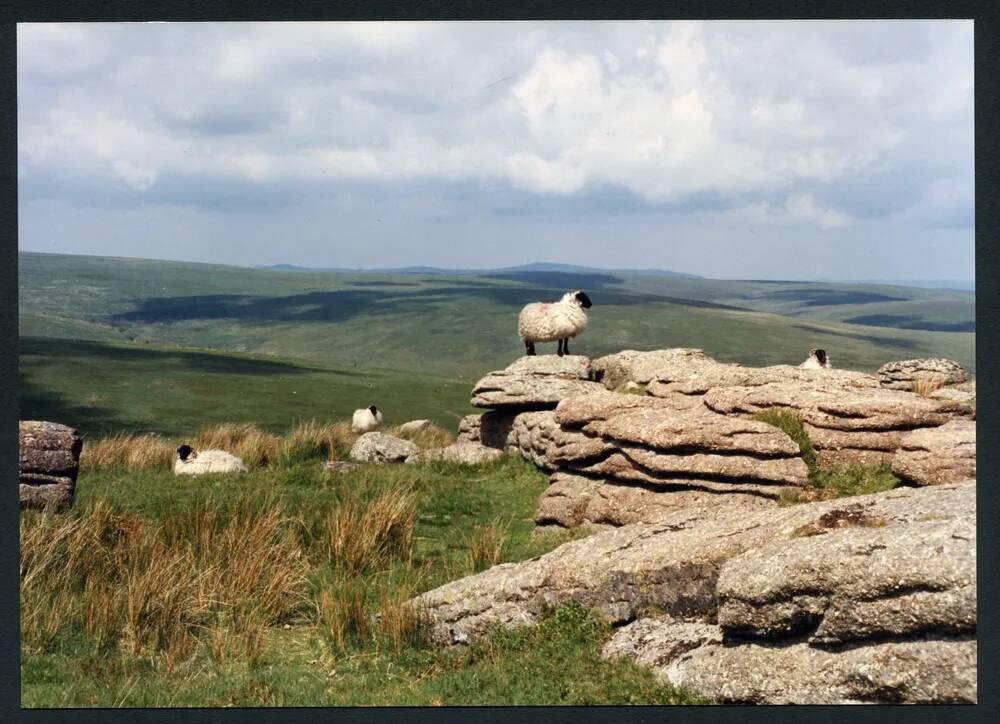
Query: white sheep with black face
[
  {"x": 191, "y": 462},
  {"x": 817, "y": 360},
  {"x": 553, "y": 321},
  {"x": 366, "y": 420}
]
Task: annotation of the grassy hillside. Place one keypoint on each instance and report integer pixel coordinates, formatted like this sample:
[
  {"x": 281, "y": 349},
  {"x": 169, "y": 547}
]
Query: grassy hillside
[
  {"x": 460, "y": 326},
  {"x": 107, "y": 387}
]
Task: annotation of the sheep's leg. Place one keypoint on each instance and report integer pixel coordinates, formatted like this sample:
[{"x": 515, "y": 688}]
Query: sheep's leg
[
  {"x": 529, "y": 348},
  {"x": 559, "y": 348},
  {"x": 566, "y": 346}
]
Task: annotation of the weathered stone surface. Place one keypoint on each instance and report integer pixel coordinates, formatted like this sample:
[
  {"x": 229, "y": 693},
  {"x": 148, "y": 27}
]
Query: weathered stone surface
[
  {"x": 707, "y": 377},
  {"x": 958, "y": 393},
  {"x": 692, "y": 655},
  {"x": 862, "y": 425},
  {"x": 576, "y": 500},
  {"x": 866, "y": 579},
  {"x": 641, "y": 368},
  {"x": 672, "y": 564},
  {"x": 467, "y": 453},
  {"x": 379, "y": 447},
  {"x": 468, "y": 429},
  {"x": 414, "y": 426},
  {"x": 650, "y": 440},
  {"x": 901, "y": 375},
  {"x": 39, "y": 495},
  {"x": 936, "y": 455},
  {"x": 48, "y": 448},
  {"x": 534, "y": 383},
  {"x": 658, "y": 641},
  {"x": 48, "y": 462},
  {"x": 525, "y": 433}
]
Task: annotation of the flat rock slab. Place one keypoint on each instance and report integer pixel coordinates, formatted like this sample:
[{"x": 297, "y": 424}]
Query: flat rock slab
[
  {"x": 341, "y": 466},
  {"x": 575, "y": 500},
  {"x": 641, "y": 368},
  {"x": 650, "y": 440},
  {"x": 380, "y": 447},
  {"x": 534, "y": 383},
  {"x": 695, "y": 656},
  {"x": 706, "y": 377},
  {"x": 467, "y": 453},
  {"x": 902, "y": 374},
  {"x": 937, "y": 455},
  {"x": 854, "y": 577},
  {"x": 672, "y": 564}
]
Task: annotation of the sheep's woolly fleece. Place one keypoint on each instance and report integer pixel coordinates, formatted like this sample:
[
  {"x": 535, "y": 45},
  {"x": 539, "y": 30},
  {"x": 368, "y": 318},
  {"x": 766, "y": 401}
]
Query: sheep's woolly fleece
[
  {"x": 548, "y": 322},
  {"x": 209, "y": 461},
  {"x": 365, "y": 420}
]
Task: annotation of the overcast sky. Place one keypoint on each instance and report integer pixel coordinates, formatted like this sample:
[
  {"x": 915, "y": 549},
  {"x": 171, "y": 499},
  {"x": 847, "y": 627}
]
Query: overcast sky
[{"x": 726, "y": 149}]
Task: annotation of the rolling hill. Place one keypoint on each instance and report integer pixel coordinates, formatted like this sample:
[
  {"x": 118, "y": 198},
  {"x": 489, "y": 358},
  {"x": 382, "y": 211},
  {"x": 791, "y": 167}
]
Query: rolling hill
[{"x": 418, "y": 339}]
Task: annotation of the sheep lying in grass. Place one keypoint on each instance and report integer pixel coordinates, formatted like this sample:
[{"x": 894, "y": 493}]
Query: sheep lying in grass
[
  {"x": 366, "y": 420},
  {"x": 817, "y": 360},
  {"x": 550, "y": 322},
  {"x": 189, "y": 462}
]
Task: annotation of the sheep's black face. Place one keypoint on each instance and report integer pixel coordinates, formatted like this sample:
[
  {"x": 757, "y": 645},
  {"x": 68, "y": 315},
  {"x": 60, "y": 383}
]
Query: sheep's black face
[
  {"x": 583, "y": 300},
  {"x": 373, "y": 410},
  {"x": 184, "y": 451},
  {"x": 821, "y": 356}
]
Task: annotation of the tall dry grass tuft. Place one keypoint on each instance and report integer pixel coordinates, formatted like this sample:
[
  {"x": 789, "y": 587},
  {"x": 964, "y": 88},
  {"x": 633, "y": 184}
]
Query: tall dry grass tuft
[
  {"x": 358, "y": 536},
  {"x": 343, "y": 613},
  {"x": 430, "y": 437},
  {"x": 485, "y": 544},
  {"x": 254, "y": 446},
  {"x": 158, "y": 587},
  {"x": 309, "y": 439},
  {"x": 927, "y": 386},
  {"x": 129, "y": 452},
  {"x": 400, "y": 623}
]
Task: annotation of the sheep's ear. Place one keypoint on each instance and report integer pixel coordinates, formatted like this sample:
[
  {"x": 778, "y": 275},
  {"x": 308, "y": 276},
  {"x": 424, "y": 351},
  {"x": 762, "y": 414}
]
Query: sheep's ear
[{"x": 584, "y": 300}]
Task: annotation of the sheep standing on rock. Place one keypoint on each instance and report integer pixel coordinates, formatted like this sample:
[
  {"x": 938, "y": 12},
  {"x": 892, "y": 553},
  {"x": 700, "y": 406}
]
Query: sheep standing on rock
[
  {"x": 366, "y": 420},
  {"x": 817, "y": 360},
  {"x": 556, "y": 321},
  {"x": 189, "y": 462}
]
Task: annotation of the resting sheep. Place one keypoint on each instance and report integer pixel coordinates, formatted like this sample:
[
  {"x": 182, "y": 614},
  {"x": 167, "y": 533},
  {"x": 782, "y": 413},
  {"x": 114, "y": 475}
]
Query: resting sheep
[
  {"x": 366, "y": 420},
  {"x": 189, "y": 462},
  {"x": 556, "y": 321},
  {"x": 817, "y": 360}
]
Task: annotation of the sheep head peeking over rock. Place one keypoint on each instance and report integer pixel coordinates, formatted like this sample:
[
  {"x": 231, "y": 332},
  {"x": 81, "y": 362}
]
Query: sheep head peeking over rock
[
  {"x": 817, "y": 360},
  {"x": 553, "y": 321},
  {"x": 366, "y": 420}
]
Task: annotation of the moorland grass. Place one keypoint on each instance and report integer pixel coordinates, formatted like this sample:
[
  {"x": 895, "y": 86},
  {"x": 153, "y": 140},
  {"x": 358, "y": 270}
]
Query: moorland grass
[{"x": 285, "y": 586}]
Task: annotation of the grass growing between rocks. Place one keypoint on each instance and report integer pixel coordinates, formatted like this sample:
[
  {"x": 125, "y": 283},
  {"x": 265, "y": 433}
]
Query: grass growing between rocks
[
  {"x": 284, "y": 586},
  {"x": 839, "y": 482}
]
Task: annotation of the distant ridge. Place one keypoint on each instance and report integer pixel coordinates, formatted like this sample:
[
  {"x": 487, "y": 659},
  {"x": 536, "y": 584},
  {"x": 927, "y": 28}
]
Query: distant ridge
[{"x": 541, "y": 267}]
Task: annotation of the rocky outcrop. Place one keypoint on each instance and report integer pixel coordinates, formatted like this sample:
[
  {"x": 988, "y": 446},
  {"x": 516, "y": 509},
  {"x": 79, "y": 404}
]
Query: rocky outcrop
[
  {"x": 534, "y": 383},
  {"x": 937, "y": 455},
  {"x": 525, "y": 433},
  {"x": 379, "y": 447},
  {"x": 902, "y": 374},
  {"x": 48, "y": 462},
  {"x": 575, "y": 500},
  {"x": 844, "y": 425},
  {"x": 672, "y": 564},
  {"x": 787, "y": 605},
  {"x": 467, "y": 453},
  {"x": 650, "y": 441}
]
